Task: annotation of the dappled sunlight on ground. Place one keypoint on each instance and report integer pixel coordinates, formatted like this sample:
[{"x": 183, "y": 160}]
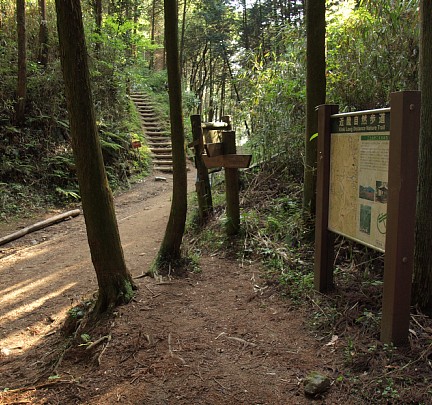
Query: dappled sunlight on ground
[
  {"x": 39, "y": 283},
  {"x": 30, "y": 252}
]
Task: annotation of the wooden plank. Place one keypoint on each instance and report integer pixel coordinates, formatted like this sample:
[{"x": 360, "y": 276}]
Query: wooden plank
[
  {"x": 402, "y": 185},
  {"x": 230, "y": 161},
  {"x": 214, "y": 149}
]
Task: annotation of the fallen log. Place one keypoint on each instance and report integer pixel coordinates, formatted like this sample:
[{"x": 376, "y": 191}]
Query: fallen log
[{"x": 38, "y": 225}]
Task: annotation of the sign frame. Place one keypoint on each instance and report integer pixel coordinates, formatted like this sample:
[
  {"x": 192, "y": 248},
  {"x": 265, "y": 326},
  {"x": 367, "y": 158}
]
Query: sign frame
[{"x": 401, "y": 206}]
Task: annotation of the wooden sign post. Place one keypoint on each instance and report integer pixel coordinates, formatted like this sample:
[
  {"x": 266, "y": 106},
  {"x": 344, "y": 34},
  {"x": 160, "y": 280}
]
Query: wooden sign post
[
  {"x": 202, "y": 184},
  {"x": 231, "y": 185},
  {"x": 366, "y": 191},
  {"x": 218, "y": 154}
]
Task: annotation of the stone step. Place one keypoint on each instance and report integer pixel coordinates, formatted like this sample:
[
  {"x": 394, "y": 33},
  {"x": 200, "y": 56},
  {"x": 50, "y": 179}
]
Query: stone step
[
  {"x": 158, "y": 151},
  {"x": 159, "y": 132},
  {"x": 158, "y": 144},
  {"x": 162, "y": 157},
  {"x": 164, "y": 162},
  {"x": 166, "y": 169},
  {"x": 157, "y": 139},
  {"x": 146, "y": 110},
  {"x": 140, "y": 97},
  {"x": 156, "y": 133}
]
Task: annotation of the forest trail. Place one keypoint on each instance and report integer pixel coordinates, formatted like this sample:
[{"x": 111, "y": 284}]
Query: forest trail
[{"x": 218, "y": 336}]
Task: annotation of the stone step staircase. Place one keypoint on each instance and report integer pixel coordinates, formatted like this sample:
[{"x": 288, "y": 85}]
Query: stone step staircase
[{"x": 156, "y": 133}]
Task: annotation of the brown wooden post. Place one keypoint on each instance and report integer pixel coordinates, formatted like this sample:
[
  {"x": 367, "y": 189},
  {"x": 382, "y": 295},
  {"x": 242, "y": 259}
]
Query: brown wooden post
[
  {"x": 324, "y": 239},
  {"x": 231, "y": 186},
  {"x": 402, "y": 185},
  {"x": 202, "y": 184}
]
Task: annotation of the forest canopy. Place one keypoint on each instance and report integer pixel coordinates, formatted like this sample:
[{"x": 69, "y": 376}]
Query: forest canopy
[{"x": 242, "y": 58}]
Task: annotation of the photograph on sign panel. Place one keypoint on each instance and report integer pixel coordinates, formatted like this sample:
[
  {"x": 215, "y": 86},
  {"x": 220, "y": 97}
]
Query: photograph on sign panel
[
  {"x": 365, "y": 218},
  {"x": 367, "y": 192},
  {"x": 381, "y": 192}
]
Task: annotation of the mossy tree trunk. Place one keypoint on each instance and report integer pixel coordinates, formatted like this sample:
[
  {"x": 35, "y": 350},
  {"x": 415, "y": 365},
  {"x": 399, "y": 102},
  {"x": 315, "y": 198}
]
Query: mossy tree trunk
[
  {"x": 169, "y": 251},
  {"x": 114, "y": 280},
  {"x": 422, "y": 287},
  {"x": 315, "y": 95}
]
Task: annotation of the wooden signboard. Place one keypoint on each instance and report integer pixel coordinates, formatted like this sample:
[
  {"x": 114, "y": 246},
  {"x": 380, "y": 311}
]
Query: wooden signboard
[
  {"x": 231, "y": 161},
  {"x": 366, "y": 191},
  {"x": 214, "y": 149}
]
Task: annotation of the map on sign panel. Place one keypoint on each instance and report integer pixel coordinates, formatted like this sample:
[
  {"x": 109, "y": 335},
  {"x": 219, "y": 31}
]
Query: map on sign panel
[{"x": 359, "y": 178}]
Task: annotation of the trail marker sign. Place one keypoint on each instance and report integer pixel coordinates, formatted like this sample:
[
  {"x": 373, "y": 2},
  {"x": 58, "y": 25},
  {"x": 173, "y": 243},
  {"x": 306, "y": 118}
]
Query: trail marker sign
[{"x": 366, "y": 191}]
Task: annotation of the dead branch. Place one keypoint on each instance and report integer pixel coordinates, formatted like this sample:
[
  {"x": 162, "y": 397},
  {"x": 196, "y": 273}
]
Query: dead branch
[
  {"x": 245, "y": 342},
  {"x": 96, "y": 342},
  {"x": 38, "y": 225},
  {"x": 175, "y": 356},
  {"x": 103, "y": 351}
]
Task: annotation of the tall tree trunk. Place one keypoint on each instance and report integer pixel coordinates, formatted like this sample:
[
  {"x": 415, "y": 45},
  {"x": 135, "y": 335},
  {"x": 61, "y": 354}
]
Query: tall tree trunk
[
  {"x": 152, "y": 35},
  {"x": 422, "y": 288},
  {"x": 22, "y": 63},
  {"x": 245, "y": 26},
  {"x": 43, "y": 35},
  {"x": 222, "y": 94},
  {"x": 115, "y": 282},
  {"x": 315, "y": 95},
  {"x": 136, "y": 16},
  {"x": 97, "y": 10},
  {"x": 182, "y": 38},
  {"x": 211, "y": 89},
  {"x": 169, "y": 251},
  {"x": 261, "y": 28}
]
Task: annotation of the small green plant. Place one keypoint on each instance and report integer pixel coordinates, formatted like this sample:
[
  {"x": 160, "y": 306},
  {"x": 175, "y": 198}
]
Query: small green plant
[
  {"x": 86, "y": 338},
  {"x": 387, "y": 389},
  {"x": 349, "y": 352}
]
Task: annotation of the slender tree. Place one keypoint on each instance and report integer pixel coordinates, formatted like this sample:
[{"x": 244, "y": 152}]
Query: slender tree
[
  {"x": 97, "y": 11},
  {"x": 22, "y": 62},
  {"x": 315, "y": 94},
  {"x": 182, "y": 36},
  {"x": 152, "y": 34},
  {"x": 169, "y": 251},
  {"x": 115, "y": 282},
  {"x": 43, "y": 35},
  {"x": 422, "y": 287}
]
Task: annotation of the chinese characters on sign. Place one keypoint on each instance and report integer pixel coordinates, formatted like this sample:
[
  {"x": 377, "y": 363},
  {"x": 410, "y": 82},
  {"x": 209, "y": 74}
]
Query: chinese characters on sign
[{"x": 359, "y": 177}]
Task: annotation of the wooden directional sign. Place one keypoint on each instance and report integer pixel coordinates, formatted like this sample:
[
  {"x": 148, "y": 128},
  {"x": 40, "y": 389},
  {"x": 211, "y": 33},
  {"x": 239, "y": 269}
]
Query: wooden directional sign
[
  {"x": 227, "y": 161},
  {"x": 214, "y": 149}
]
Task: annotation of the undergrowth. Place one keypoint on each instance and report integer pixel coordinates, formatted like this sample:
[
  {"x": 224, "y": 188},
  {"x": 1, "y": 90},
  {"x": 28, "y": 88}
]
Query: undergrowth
[{"x": 348, "y": 320}]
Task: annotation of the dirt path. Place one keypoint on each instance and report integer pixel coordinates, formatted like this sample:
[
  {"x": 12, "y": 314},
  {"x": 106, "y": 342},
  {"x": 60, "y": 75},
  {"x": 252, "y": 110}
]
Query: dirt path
[{"x": 220, "y": 336}]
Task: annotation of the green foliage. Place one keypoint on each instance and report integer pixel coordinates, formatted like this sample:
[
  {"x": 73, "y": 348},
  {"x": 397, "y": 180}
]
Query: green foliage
[
  {"x": 372, "y": 51},
  {"x": 273, "y": 88},
  {"x": 36, "y": 160}
]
